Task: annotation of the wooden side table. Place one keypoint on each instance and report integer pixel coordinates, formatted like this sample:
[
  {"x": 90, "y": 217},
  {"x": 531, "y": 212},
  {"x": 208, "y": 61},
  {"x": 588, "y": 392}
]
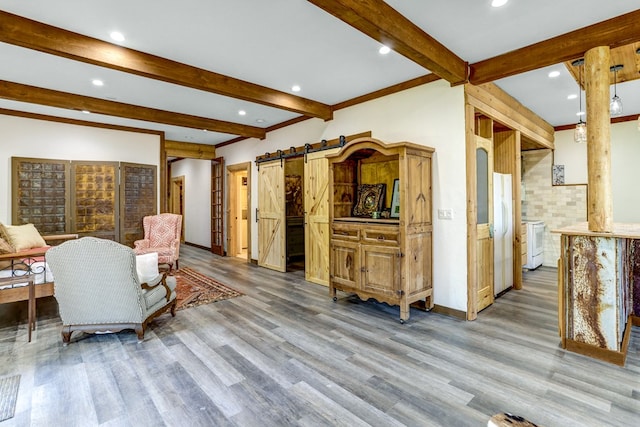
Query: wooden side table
[{"x": 13, "y": 294}]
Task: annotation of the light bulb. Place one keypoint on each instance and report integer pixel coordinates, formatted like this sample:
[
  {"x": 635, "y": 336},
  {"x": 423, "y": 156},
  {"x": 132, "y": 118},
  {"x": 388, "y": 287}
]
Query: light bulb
[
  {"x": 616, "y": 106},
  {"x": 580, "y": 133}
]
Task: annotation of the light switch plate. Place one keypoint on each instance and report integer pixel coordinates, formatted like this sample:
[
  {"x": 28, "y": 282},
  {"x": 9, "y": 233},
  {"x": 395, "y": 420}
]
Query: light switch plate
[{"x": 445, "y": 214}]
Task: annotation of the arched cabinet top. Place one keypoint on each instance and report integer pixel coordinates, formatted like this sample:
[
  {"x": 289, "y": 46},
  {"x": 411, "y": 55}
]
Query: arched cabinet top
[{"x": 368, "y": 144}]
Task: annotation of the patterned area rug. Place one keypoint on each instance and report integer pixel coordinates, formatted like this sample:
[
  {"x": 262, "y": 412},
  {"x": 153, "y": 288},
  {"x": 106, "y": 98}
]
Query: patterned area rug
[
  {"x": 195, "y": 289},
  {"x": 8, "y": 396}
]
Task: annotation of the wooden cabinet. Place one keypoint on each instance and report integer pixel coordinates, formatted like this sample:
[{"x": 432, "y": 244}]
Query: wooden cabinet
[{"x": 388, "y": 259}]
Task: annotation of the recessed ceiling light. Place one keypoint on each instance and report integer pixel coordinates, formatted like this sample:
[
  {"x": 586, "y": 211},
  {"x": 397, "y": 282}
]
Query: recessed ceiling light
[
  {"x": 86, "y": 111},
  {"x": 498, "y": 3},
  {"x": 384, "y": 50},
  {"x": 580, "y": 113},
  {"x": 572, "y": 96},
  {"x": 242, "y": 113},
  {"x": 295, "y": 88},
  {"x": 554, "y": 74},
  {"x": 259, "y": 120},
  {"x": 97, "y": 82},
  {"x": 117, "y": 36}
]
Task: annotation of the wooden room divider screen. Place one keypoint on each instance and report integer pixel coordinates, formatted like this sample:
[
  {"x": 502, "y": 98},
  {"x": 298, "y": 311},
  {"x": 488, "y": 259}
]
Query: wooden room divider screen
[{"x": 101, "y": 199}]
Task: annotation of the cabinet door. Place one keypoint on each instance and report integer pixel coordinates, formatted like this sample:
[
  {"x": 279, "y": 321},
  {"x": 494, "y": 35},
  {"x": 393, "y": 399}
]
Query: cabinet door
[
  {"x": 381, "y": 270},
  {"x": 345, "y": 263}
]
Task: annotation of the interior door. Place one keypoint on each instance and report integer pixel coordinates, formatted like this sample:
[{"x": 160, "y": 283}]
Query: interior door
[
  {"x": 271, "y": 216},
  {"x": 316, "y": 225},
  {"x": 484, "y": 223},
  {"x": 217, "y": 200}
]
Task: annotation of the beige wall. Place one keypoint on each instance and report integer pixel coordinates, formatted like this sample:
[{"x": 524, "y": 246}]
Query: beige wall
[
  {"x": 432, "y": 115},
  {"x": 24, "y": 137}
]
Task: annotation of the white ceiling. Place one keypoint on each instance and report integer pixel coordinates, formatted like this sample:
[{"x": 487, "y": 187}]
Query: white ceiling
[{"x": 279, "y": 43}]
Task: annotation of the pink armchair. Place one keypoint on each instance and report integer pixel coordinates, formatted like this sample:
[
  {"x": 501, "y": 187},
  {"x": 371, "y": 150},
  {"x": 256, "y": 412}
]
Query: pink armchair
[{"x": 161, "y": 235}]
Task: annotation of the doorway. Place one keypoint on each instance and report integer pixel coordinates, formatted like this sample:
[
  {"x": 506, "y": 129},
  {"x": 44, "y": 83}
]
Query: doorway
[
  {"x": 238, "y": 208},
  {"x": 176, "y": 200}
]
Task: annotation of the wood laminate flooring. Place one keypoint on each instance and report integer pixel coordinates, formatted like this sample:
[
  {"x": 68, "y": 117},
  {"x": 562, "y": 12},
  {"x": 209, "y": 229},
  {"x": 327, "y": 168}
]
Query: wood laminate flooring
[{"x": 285, "y": 354}]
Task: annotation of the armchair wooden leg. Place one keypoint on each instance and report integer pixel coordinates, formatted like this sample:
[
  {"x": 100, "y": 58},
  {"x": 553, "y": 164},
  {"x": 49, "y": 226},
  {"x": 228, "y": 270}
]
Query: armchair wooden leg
[
  {"x": 140, "y": 332},
  {"x": 173, "y": 307},
  {"x": 66, "y": 335}
]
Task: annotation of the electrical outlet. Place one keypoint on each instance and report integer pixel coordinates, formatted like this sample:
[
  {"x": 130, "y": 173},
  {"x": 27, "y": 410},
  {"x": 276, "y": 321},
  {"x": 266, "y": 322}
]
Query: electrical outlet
[{"x": 445, "y": 214}]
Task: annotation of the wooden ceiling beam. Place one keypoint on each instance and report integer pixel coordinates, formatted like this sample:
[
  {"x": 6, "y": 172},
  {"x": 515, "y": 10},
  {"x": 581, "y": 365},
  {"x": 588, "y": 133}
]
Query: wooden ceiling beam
[
  {"x": 27, "y": 33},
  {"x": 54, "y": 98},
  {"x": 381, "y": 22},
  {"x": 613, "y": 32}
]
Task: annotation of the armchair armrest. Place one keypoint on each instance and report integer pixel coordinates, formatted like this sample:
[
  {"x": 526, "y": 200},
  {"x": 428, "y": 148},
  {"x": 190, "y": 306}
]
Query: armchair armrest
[
  {"x": 59, "y": 237},
  {"x": 142, "y": 244},
  {"x": 161, "y": 279}
]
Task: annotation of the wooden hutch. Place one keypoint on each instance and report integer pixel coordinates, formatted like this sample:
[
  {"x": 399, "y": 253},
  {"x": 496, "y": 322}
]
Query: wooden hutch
[{"x": 385, "y": 256}]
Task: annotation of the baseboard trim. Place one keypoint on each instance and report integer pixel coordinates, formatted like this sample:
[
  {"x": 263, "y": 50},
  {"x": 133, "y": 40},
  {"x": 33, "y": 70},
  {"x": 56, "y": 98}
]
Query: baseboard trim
[
  {"x": 195, "y": 245},
  {"x": 458, "y": 314}
]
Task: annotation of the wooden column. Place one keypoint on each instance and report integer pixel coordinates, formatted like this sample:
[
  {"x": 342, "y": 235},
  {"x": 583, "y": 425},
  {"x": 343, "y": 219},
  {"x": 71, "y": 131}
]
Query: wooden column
[{"x": 600, "y": 208}]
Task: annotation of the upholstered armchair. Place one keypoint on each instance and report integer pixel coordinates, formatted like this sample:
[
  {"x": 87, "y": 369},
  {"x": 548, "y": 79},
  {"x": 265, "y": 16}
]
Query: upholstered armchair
[
  {"x": 161, "y": 235},
  {"x": 98, "y": 288}
]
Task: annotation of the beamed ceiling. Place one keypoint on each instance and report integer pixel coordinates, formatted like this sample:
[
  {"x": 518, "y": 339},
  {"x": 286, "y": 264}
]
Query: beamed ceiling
[{"x": 190, "y": 66}]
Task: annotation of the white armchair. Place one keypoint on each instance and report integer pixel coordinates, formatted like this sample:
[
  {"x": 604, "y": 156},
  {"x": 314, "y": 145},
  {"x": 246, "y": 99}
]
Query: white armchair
[{"x": 98, "y": 289}]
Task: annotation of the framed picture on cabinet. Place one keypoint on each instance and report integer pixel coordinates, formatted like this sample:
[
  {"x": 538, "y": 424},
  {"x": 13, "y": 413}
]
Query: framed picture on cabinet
[
  {"x": 395, "y": 199},
  {"x": 370, "y": 198}
]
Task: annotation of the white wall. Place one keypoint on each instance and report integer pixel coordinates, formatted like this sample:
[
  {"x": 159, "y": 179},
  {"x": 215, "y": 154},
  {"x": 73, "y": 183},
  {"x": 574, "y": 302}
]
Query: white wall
[
  {"x": 197, "y": 199},
  {"x": 24, "y": 137},
  {"x": 431, "y": 115},
  {"x": 625, "y": 152}
]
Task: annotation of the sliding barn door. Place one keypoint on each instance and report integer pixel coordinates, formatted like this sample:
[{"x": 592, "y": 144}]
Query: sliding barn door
[
  {"x": 316, "y": 206},
  {"x": 271, "y": 216}
]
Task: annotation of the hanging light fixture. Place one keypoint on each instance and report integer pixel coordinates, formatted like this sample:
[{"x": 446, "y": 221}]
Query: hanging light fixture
[
  {"x": 616, "y": 103},
  {"x": 580, "y": 133}
]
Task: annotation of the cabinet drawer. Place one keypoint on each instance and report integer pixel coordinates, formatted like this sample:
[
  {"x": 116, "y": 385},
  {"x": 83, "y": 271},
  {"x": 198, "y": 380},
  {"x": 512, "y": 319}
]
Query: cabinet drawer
[
  {"x": 381, "y": 235},
  {"x": 345, "y": 232}
]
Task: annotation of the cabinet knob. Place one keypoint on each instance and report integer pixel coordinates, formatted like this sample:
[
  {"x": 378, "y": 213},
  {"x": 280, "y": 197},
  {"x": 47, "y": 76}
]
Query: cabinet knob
[{"x": 380, "y": 237}]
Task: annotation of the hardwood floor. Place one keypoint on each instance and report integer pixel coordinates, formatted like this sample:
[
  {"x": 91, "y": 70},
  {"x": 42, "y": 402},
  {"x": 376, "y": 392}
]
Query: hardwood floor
[{"x": 286, "y": 354}]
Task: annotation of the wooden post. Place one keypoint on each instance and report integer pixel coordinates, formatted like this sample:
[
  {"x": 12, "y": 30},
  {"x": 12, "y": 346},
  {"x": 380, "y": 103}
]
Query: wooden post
[{"x": 600, "y": 208}]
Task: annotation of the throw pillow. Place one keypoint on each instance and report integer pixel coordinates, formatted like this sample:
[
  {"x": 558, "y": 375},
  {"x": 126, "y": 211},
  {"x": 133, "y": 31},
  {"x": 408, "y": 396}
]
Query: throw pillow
[
  {"x": 23, "y": 237},
  {"x": 147, "y": 266},
  {"x": 5, "y": 247}
]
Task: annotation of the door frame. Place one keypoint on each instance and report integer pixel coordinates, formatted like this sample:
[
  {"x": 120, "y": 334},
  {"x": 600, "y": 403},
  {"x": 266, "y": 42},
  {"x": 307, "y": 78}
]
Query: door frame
[
  {"x": 177, "y": 182},
  {"x": 232, "y": 191}
]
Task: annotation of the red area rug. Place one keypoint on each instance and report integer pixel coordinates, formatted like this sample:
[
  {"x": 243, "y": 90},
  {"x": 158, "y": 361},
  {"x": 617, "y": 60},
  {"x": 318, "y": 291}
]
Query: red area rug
[{"x": 193, "y": 289}]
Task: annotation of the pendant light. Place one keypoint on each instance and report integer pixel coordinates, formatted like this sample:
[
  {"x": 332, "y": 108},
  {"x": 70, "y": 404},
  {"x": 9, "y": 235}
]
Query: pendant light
[
  {"x": 580, "y": 133},
  {"x": 616, "y": 103}
]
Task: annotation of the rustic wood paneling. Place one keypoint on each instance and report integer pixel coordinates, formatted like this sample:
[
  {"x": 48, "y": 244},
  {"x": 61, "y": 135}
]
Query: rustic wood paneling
[
  {"x": 138, "y": 198},
  {"x": 40, "y": 194},
  {"x": 94, "y": 199}
]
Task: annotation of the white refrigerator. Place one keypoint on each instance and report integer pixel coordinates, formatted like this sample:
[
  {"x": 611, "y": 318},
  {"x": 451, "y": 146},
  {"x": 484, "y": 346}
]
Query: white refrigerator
[{"x": 502, "y": 232}]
